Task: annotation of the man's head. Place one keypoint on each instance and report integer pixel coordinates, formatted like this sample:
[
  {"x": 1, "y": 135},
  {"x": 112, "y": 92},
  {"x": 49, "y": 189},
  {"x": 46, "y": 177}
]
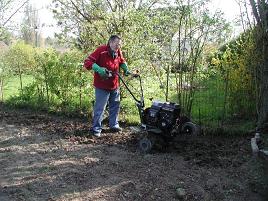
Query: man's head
[{"x": 114, "y": 42}]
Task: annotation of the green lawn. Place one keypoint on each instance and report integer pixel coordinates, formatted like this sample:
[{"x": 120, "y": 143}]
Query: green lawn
[
  {"x": 208, "y": 101},
  {"x": 207, "y": 109},
  {"x": 12, "y": 85}
]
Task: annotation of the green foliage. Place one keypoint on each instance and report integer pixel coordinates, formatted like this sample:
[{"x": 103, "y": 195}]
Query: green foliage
[
  {"x": 30, "y": 24},
  {"x": 12, "y": 86},
  {"x": 147, "y": 30},
  {"x": 209, "y": 97},
  {"x": 5, "y": 35},
  {"x": 59, "y": 79},
  {"x": 3, "y": 70},
  {"x": 165, "y": 43},
  {"x": 157, "y": 39},
  {"x": 20, "y": 58},
  {"x": 235, "y": 63}
]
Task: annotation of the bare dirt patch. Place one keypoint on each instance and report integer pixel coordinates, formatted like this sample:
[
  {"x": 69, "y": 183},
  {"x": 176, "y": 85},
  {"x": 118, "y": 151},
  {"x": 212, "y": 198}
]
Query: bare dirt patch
[{"x": 45, "y": 157}]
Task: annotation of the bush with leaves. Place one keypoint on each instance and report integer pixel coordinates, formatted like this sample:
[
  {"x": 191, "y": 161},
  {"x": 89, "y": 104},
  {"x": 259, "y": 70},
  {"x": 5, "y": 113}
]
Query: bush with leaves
[
  {"x": 235, "y": 62},
  {"x": 20, "y": 60}
]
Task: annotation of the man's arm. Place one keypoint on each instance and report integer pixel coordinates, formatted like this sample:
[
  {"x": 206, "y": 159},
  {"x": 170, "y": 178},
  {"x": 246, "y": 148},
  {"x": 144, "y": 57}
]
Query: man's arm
[
  {"x": 90, "y": 63},
  {"x": 125, "y": 68},
  {"x": 123, "y": 63},
  {"x": 91, "y": 59}
]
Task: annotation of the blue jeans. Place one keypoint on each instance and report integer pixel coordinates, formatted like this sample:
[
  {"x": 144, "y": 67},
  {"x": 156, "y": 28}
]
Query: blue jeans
[{"x": 102, "y": 97}]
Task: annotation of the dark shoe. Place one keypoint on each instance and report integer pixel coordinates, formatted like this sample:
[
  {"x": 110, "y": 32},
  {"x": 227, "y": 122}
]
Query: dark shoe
[
  {"x": 116, "y": 130},
  {"x": 95, "y": 133}
]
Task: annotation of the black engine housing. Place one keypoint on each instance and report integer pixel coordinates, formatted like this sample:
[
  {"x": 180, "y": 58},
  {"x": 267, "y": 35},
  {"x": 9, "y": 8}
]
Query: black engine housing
[{"x": 162, "y": 115}]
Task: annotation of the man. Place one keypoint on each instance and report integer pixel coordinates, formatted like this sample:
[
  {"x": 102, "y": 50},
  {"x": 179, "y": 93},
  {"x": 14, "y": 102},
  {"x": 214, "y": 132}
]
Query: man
[{"x": 104, "y": 59}]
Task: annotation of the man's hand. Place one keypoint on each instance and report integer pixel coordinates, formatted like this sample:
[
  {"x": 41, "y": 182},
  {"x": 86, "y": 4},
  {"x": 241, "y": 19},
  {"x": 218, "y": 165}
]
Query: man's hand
[
  {"x": 127, "y": 73},
  {"x": 100, "y": 70},
  {"x": 103, "y": 72}
]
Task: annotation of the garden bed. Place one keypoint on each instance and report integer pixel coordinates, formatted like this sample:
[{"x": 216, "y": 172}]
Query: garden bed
[{"x": 46, "y": 157}]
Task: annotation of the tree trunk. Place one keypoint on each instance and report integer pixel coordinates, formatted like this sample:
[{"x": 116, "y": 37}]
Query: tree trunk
[
  {"x": 260, "y": 12},
  {"x": 263, "y": 104}
]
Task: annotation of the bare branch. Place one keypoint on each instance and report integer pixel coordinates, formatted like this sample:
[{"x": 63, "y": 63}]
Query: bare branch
[
  {"x": 14, "y": 13},
  {"x": 4, "y": 6},
  {"x": 110, "y": 5}
]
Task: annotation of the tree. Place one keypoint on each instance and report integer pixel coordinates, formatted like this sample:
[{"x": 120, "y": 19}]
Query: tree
[
  {"x": 30, "y": 25},
  {"x": 92, "y": 22},
  {"x": 8, "y": 8},
  {"x": 196, "y": 28},
  {"x": 4, "y": 71},
  {"x": 148, "y": 29},
  {"x": 260, "y": 12},
  {"x": 24, "y": 62}
]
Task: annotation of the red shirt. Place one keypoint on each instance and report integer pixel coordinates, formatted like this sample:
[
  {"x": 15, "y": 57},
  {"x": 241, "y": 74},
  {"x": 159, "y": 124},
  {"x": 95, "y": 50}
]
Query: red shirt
[{"x": 103, "y": 58}]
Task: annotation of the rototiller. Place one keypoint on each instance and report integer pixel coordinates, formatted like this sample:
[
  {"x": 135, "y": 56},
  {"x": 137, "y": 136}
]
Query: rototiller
[{"x": 162, "y": 120}]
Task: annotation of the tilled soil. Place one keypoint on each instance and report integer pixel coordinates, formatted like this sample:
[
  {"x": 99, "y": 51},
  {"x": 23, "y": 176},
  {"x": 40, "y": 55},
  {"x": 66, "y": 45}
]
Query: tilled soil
[{"x": 46, "y": 157}]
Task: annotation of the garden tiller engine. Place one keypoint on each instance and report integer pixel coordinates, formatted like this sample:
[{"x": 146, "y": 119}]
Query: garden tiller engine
[{"x": 162, "y": 120}]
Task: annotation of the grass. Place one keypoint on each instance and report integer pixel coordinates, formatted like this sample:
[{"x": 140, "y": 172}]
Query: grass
[
  {"x": 207, "y": 105},
  {"x": 209, "y": 100},
  {"x": 231, "y": 128},
  {"x": 12, "y": 85}
]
